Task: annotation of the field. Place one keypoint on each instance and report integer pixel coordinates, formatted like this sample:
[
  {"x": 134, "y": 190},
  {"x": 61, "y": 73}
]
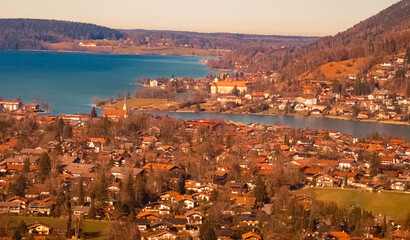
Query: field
[
  {"x": 140, "y": 102},
  {"x": 337, "y": 70},
  {"x": 396, "y": 205},
  {"x": 92, "y": 229}
]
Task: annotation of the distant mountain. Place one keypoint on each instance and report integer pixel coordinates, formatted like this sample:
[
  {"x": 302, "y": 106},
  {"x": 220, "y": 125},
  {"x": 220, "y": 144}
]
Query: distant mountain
[
  {"x": 32, "y": 33},
  {"x": 227, "y": 41}
]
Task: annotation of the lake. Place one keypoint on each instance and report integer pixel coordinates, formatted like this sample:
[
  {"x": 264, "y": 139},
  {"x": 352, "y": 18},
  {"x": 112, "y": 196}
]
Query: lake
[
  {"x": 69, "y": 81},
  {"x": 355, "y": 128}
]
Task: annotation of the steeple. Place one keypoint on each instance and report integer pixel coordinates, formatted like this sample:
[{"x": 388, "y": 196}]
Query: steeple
[{"x": 125, "y": 104}]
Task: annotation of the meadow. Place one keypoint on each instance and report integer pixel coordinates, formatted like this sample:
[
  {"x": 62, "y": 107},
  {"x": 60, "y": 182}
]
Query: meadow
[{"x": 393, "y": 204}]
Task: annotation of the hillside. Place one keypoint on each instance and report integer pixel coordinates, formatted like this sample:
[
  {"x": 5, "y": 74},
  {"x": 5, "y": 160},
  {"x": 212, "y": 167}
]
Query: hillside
[
  {"x": 382, "y": 35},
  {"x": 36, "y": 33},
  {"x": 337, "y": 70}
]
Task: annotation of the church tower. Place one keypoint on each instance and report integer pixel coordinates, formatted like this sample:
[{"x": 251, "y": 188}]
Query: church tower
[{"x": 125, "y": 104}]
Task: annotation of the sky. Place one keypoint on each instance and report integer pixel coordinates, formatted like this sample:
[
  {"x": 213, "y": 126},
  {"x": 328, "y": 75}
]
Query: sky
[{"x": 279, "y": 17}]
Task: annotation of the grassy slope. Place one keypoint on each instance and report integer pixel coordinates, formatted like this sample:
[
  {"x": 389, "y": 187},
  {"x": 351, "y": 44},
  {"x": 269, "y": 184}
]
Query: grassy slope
[
  {"x": 396, "y": 205},
  {"x": 90, "y": 227},
  {"x": 337, "y": 70},
  {"x": 138, "y": 102}
]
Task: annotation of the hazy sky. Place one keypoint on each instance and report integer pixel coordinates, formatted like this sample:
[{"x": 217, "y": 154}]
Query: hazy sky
[{"x": 285, "y": 17}]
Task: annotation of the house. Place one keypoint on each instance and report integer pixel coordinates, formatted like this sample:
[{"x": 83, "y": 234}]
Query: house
[
  {"x": 11, "y": 105},
  {"x": 251, "y": 236},
  {"x": 338, "y": 236},
  {"x": 324, "y": 180},
  {"x": 97, "y": 146},
  {"x": 178, "y": 222},
  {"x": 39, "y": 229},
  {"x": 143, "y": 223},
  {"x": 401, "y": 235},
  {"x": 41, "y": 207},
  {"x": 224, "y": 234},
  {"x": 189, "y": 203},
  {"x": 194, "y": 218},
  {"x": 122, "y": 172},
  {"x": 248, "y": 220},
  {"x": 153, "y": 83},
  {"x": 81, "y": 211},
  {"x": 115, "y": 114},
  {"x": 21, "y": 200},
  {"x": 362, "y": 115},
  {"x": 226, "y": 87},
  {"x": 346, "y": 163},
  {"x": 89, "y": 44},
  {"x": 164, "y": 234},
  {"x": 10, "y": 207},
  {"x": 158, "y": 207}
]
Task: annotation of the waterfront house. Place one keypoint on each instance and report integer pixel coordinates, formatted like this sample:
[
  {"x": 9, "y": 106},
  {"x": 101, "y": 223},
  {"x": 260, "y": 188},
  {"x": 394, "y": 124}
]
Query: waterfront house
[
  {"x": 10, "y": 105},
  {"x": 226, "y": 87}
]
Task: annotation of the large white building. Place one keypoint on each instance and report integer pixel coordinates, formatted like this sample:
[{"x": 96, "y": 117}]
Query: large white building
[
  {"x": 226, "y": 87},
  {"x": 11, "y": 105}
]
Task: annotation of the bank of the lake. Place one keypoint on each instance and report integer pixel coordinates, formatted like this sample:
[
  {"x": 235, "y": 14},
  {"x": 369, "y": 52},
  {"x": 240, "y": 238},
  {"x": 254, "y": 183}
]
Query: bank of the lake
[{"x": 355, "y": 128}]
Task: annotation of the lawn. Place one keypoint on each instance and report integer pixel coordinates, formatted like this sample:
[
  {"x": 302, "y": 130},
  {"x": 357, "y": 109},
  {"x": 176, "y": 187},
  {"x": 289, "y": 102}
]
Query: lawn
[
  {"x": 138, "y": 102},
  {"x": 91, "y": 228},
  {"x": 396, "y": 205}
]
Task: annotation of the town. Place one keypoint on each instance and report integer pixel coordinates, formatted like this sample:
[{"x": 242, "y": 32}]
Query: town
[
  {"x": 146, "y": 177},
  {"x": 355, "y": 97}
]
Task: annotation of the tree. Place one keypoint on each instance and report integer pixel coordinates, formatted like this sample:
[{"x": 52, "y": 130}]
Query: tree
[
  {"x": 93, "y": 210},
  {"x": 44, "y": 166},
  {"x": 260, "y": 192},
  {"x": 206, "y": 231},
  {"x": 20, "y": 231},
  {"x": 337, "y": 88},
  {"x": 406, "y": 224},
  {"x": 198, "y": 108},
  {"x": 59, "y": 207},
  {"x": 67, "y": 131},
  {"x": 17, "y": 187},
  {"x": 139, "y": 191},
  {"x": 129, "y": 188},
  {"x": 214, "y": 195},
  {"x": 93, "y": 113},
  {"x": 26, "y": 167},
  {"x": 235, "y": 91},
  {"x": 80, "y": 192},
  {"x": 59, "y": 126},
  {"x": 375, "y": 164},
  {"x": 100, "y": 191},
  {"x": 384, "y": 227},
  {"x": 180, "y": 185}
]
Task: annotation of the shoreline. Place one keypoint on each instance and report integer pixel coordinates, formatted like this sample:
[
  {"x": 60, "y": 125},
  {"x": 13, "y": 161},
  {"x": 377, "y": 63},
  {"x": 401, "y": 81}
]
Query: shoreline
[
  {"x": 285, "y": 115},
  {"x": 109, "y": 53}
]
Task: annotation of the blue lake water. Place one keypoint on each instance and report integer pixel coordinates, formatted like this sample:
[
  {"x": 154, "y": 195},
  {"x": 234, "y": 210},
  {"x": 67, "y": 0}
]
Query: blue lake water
[{"x": 69, "y": 81}]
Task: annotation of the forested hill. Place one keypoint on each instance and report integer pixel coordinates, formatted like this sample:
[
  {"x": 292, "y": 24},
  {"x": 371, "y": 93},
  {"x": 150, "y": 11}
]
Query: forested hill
[
  {"x": 227, "y": 41},
  {"x": 383, "y": 34},
  {"x": 30, "y": 33}
]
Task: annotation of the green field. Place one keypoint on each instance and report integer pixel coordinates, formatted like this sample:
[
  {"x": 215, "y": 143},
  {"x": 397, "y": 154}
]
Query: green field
[
  {"x": 138, "y": 102},
  {"x": 393, "y": 204},
  {"x": 91, "y": 228}
]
